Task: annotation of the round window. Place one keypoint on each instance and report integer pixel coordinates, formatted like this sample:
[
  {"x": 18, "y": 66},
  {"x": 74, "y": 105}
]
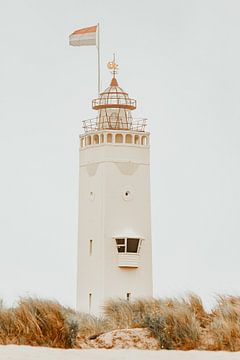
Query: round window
[{"x": 127, "y": 195}]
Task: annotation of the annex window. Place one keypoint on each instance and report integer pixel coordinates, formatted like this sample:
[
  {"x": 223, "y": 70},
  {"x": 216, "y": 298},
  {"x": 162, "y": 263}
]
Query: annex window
[{"x": 128, "y": 245}]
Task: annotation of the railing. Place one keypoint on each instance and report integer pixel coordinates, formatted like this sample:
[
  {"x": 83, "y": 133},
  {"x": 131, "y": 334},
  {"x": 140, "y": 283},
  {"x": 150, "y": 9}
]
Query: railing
[
  {"x": 107, "y": 123},
  {"x": 121, "y": 101}
]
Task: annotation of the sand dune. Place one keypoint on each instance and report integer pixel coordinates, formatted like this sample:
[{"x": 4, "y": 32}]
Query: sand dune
[{"x": 15, "y": 352}]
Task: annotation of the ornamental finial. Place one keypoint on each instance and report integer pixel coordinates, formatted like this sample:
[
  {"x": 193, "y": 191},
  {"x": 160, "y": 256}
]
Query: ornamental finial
[{"x": 113, "y": 66}]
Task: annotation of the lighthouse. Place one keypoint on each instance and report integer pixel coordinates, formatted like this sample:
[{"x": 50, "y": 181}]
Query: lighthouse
[{"x": 114, "y": 238}]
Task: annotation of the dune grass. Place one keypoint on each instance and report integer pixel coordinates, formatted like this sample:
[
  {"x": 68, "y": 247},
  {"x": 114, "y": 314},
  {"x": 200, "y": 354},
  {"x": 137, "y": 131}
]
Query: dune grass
[
  {"x": 176, "y": 323},
  {"x": 45, "y": 323},
  {"x": 224, "y": 329},
  {"x": 181, "y": 324}
]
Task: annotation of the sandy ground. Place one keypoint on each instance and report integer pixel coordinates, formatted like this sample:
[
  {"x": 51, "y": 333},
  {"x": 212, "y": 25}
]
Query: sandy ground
[{"x": 14, "y": 352}]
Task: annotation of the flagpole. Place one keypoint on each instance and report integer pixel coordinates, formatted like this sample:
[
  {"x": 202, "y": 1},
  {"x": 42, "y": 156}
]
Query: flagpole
[{"x": 98, "y": 55}]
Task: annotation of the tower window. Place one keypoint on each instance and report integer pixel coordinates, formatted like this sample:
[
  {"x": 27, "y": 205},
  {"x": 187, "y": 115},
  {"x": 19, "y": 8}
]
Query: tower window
[
  {"x": 90, "y": 247},
  {"x": 88, "y": 140},
  {"x": 109, "y": 138},
  {"x": 128, "y": 296},
  {"x": 95, "y": 139},
  {"x": 128, "y": 139},
  {"x": 127, "y": 195},
  {"x": 118, "y": 138},
  {"x": 136, "y": 139},
  {"x": 128, "y": 245},
  {"x": 144, "y": 140},
  {"x": 89, "y": 302}
]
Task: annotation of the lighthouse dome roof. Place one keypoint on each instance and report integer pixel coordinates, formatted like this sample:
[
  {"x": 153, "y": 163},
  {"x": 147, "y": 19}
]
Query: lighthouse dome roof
[{"x": 114, "y": 97}]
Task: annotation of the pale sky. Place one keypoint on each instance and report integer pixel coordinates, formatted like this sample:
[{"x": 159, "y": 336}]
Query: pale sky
[{"x": 180, "y": 60}]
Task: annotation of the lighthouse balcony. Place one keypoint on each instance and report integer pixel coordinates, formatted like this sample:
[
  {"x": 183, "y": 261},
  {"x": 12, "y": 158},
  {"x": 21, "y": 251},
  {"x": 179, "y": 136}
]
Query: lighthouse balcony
[
  {"x": 108, "y": 123},
  {"x": 128, "y": 252}
]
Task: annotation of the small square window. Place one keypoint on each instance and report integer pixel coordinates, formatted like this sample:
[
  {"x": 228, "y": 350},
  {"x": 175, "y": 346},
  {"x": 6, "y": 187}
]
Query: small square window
[
  {"x": 121, "y": 245},
  {"x": 121, "y": 249},
  {"x": 120, "y": 241}
]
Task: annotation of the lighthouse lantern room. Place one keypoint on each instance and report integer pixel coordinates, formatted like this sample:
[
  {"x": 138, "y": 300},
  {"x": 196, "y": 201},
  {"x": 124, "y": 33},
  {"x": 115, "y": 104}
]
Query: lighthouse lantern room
[{"x": 114, "y": 243}]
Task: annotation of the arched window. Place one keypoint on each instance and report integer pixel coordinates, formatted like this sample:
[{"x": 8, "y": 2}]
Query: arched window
[
  {"x": 136, "y": 139},
  {"x": 109, "y": 138},
  {"x": 128, "y": 139},
  {"x": 96, "y": 139},
  {"x": 144, "y": 140},
  {"x": 88, "y": 140},
  {"x": 118, "y": 138}
]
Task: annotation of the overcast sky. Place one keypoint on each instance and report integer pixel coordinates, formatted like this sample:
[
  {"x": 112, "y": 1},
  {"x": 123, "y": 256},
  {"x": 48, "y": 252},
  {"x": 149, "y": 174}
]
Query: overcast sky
[{"x": 180, "y": 60}]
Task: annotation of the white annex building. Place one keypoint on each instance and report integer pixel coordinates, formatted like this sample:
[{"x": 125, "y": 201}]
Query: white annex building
[{"x": 114, "y": 244}]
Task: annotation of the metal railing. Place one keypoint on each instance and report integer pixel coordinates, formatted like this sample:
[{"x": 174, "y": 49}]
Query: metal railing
[
  {"x": 122, "y": 101},
  {"x": 107, "y": 123}
]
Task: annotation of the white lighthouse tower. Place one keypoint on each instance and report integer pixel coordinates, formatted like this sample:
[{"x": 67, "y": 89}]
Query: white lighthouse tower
[{"x": 114, "y": 244}]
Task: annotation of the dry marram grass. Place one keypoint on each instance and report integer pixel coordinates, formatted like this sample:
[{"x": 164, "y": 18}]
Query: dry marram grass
[{"x": 150, "y": 323}]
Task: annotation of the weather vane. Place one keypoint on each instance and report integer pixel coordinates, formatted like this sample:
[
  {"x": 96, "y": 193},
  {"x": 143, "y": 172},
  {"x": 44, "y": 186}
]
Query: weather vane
[{"x": 113, "y": 66}]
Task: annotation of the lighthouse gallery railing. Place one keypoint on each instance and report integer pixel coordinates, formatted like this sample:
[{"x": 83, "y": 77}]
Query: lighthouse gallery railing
[{"x": 97, "y": 124}]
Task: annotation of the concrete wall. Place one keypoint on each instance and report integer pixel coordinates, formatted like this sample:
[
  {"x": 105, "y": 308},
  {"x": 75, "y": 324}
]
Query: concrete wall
[{"x": 107, "y": 172}]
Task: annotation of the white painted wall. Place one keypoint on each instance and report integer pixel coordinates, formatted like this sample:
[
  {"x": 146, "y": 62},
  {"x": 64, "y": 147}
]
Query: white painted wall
[{"x": 108, "y": 171}]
